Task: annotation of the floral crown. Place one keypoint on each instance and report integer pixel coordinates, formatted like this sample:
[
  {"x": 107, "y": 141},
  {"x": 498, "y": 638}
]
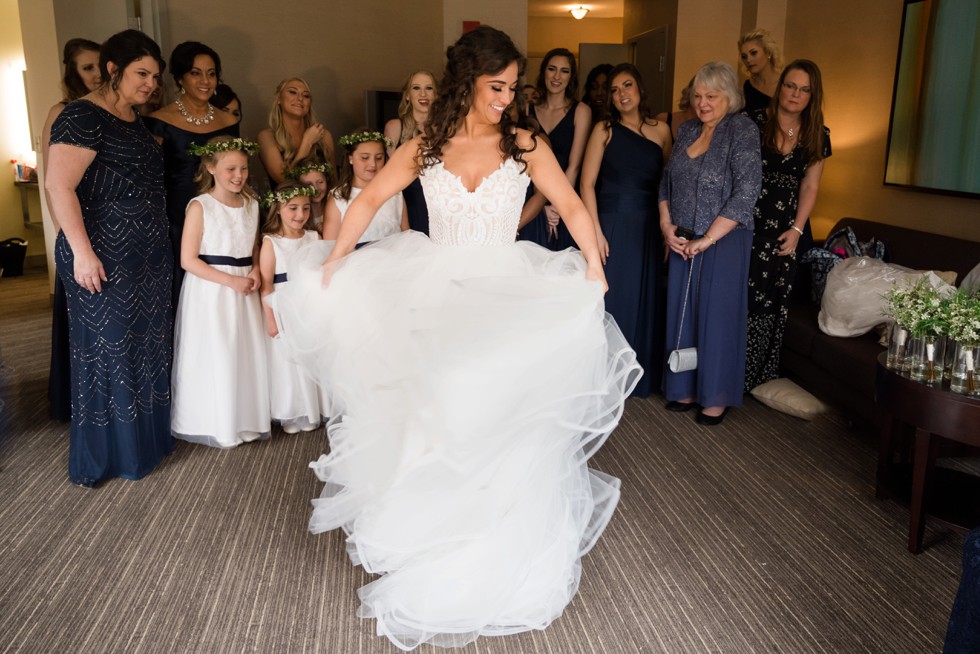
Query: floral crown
[
  {"x": 352, "y": 140},
  {"x": 213, "y": 147},
  {"x": 299, "y": 171},
  {"x": 285, "y": 195}
]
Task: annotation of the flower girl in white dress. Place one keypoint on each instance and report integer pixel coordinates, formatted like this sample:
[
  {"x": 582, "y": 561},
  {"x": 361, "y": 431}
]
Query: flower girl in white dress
[
  {"x": 311, "y": 172},
  {"x": 220, "y": 381},
  {"x": 365, "y": 154},
  {"x": 294, "y": 396},
  {"x": 472, "y": 377}
]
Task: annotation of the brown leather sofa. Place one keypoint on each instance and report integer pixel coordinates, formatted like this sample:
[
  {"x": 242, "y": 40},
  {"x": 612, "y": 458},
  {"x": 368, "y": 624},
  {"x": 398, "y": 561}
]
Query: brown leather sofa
[{"x": 841, "y": 371}]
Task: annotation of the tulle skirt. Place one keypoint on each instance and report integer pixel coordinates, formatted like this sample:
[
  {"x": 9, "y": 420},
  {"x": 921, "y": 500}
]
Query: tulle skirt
[{"x": 469, "y": 388}]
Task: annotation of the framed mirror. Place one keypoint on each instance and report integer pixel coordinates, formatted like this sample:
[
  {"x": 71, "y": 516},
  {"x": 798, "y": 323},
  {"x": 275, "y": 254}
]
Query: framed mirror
[{"x": 934, "y": 134}]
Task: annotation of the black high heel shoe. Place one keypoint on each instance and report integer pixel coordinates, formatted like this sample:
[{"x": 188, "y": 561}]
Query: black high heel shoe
[{"x": 710, "y": 421}]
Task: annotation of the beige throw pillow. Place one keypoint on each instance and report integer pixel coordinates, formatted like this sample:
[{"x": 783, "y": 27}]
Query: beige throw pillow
[{"x": 785, "y": 396}]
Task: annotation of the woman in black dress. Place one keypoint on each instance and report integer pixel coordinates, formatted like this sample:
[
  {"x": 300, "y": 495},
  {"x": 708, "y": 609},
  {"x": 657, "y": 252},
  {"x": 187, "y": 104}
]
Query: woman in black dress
[
  {"x": 566, "y": 122},
  {"x": 105, "y": 184},
  {"x": 81, "y": 61},
  {"x": 794, "y": 144},
  {"x": 189, "y": 120},
  {"x": 622, "y": 167},
  {"x": 759, "y": 59}
]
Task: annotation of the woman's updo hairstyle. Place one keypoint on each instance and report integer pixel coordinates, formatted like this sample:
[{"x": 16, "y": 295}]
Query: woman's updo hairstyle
[
  {"x": 482, "y": 51},
  {"x": 123, "y": 49}
]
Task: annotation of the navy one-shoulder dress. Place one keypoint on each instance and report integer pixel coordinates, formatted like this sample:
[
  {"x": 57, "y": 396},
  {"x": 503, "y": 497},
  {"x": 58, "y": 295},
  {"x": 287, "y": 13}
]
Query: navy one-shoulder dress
[
  {"x": 180, "y": 169},
  {"x": 561, "y": 138},
  {"x": 626, "y": 198},
  {"x": 121, "y": 338}
]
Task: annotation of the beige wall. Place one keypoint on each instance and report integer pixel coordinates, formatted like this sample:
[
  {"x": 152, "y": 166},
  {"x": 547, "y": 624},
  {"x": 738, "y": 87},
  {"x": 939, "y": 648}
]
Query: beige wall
[
  {"x": 547, "y": 33},
  {"x": 15, "y": 141},
  {"x": 856, "y": 46},
  {"x": 707, "y": 30},
  {"x": 507, "y": 15}
]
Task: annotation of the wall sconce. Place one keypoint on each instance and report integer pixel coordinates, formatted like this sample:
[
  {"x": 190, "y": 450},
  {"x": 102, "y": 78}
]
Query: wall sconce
[{"x": 578, "y": 13}]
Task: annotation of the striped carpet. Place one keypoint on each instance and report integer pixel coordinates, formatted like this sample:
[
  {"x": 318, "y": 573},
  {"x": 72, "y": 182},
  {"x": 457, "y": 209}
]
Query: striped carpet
[{"x": 761, "y": 535}]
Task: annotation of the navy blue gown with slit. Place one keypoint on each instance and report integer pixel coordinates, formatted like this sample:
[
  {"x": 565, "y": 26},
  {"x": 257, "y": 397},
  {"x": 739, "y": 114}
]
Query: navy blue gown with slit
[
  {"x": 626, "y": 198},
  {"x": 561, "y": 138},
  {"x": 121, "y": 338}
]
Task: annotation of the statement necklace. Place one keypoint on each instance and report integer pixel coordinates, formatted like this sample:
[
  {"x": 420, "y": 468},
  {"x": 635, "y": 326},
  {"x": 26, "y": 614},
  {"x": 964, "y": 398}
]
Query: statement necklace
[{"x": 204, "y": 120}]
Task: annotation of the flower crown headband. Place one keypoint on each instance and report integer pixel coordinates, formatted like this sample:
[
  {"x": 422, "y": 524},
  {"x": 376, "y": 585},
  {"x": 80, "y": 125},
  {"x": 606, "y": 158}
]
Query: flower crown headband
[
  {"x": 285, "y": 195},
  {"x": 353, "y": 140},
  {"x": 213, "y": 147},
  {"x": 299, "y": 171}
]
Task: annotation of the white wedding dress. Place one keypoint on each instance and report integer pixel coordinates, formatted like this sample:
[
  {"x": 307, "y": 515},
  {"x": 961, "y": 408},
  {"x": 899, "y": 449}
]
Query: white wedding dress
[{"x": 472, "y": 378}]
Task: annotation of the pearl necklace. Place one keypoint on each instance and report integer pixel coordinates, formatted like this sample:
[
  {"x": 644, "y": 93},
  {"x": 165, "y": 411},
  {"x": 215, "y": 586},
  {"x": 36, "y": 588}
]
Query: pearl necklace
[{"x": 204, "y": 120}]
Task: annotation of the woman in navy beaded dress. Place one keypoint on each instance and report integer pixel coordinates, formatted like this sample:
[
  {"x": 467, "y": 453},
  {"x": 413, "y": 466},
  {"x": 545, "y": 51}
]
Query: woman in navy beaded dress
[
  {"x": 566, "y": 122},
  {"x": 620, "y": 174},
  {"x": 190, "y": 120},
  {"x": 105, "y": 184}
]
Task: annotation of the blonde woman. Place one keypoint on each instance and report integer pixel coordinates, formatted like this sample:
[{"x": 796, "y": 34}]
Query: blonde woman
[
  {"x": 418, "y": 94},
  {"x": 759, "y": 58},
  {"x": 294, "y": 133}
]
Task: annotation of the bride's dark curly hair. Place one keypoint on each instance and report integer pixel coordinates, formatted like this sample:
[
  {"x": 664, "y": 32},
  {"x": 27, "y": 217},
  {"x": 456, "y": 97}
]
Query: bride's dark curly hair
[{"x": 483, "y": 51}]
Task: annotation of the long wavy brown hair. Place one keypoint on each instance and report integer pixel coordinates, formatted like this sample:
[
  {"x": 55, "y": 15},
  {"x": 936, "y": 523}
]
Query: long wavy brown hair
[
  {"x": 483, "y": 51},
  {"x": 811, "y": 120}
]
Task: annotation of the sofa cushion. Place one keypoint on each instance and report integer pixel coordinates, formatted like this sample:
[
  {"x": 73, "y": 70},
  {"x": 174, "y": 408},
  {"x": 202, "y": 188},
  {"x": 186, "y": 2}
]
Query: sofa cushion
[
  {"x": 852, "y": 360},
  {"x": 801, "y": 328}
]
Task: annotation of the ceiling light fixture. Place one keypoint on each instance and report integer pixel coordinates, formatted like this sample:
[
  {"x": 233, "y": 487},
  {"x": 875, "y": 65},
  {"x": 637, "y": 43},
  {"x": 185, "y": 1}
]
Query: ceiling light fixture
[{"x": 579, "y": 12}]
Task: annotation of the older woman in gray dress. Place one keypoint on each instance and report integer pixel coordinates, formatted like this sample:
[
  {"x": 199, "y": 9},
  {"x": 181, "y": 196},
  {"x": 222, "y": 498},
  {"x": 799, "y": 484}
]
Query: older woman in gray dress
[{"x": 707, "y": 196}]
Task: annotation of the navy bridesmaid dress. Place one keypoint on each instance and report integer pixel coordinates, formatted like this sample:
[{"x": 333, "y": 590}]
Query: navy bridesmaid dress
[
  {"x": 561, "y": 138},
  {"x": 180, "y": 167},
  {"x": 626, "y": 198},
  {"x": 418, "y": 211},
  {"x": 121, "y": 338}
]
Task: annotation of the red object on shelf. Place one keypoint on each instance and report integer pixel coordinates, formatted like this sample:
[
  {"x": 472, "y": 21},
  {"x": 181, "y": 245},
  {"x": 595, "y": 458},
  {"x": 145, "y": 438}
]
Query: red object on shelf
[{"x": 470, "y": 25}]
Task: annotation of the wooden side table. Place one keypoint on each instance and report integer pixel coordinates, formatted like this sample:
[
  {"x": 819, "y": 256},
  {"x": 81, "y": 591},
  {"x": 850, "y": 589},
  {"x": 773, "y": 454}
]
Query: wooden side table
[{"x": 934, "y": 413}]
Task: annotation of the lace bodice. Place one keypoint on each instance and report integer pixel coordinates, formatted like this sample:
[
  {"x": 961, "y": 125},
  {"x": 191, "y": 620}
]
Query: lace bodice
[
  {"x": 228, "y": 231},
  {"x": 487, "y": 216}
]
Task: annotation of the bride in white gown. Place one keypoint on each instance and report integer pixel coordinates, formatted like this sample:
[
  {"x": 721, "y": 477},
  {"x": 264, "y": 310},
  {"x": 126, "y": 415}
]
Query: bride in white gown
[{"x": 472, "y": 377}]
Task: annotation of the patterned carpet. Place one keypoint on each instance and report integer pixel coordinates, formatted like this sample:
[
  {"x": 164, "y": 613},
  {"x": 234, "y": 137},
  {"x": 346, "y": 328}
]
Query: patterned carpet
[{"x": 761, "y": 535}]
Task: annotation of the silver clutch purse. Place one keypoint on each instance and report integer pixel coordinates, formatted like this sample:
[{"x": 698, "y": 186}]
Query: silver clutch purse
[{"x": 683, "y": 360}]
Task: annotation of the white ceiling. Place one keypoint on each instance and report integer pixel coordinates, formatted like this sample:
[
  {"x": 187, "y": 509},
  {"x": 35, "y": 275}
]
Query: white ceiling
[{"x": 556, "y": 8}]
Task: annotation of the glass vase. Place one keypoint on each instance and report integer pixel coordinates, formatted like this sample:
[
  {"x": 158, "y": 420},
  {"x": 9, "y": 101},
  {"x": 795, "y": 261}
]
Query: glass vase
[
  {"x": 912, "y": 350},
  {"x": 898, "y": 337},
  {"x": 963, "y": 375},
  {"x": 928, "y": 361}
]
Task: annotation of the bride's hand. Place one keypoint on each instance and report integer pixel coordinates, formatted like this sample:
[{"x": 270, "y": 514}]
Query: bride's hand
[
  {"x": 595, "y": 273},
  {"x": 328, "y": 272}
]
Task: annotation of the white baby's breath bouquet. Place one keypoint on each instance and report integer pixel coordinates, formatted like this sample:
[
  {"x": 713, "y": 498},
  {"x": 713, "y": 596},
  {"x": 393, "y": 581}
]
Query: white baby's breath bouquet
[
  {"x": 918, "y": 307},
  {"x": 961, "y": 313}
]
